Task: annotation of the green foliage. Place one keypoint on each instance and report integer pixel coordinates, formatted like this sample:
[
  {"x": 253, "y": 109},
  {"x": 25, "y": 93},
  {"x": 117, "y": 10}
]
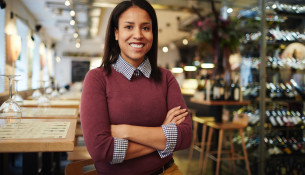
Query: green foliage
[{"x": 226, "y": 33}]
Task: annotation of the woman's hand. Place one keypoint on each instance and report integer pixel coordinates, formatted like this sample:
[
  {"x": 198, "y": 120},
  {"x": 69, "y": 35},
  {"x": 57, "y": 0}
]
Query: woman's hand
[{"x": 175, "y": 115}]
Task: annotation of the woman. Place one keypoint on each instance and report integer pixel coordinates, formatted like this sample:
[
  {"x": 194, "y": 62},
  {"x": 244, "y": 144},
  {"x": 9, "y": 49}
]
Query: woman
[{"x": 133, "y": 115}]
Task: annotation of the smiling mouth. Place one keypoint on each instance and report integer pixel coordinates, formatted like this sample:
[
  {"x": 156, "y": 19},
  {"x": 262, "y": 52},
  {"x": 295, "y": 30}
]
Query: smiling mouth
[{"x": 137, "y": 45}]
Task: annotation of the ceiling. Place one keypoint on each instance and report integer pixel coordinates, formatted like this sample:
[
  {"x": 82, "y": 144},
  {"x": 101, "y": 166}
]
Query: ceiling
[{"x": 92, "y": 16}]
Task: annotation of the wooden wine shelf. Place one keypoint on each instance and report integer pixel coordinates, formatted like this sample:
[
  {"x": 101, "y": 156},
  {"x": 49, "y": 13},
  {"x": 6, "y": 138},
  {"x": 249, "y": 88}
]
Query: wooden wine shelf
[{"x": 220, "y": 103}]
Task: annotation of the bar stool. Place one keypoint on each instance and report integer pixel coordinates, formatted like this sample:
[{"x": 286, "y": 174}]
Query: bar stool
[
  {"x": 199, "y": 146},
  {"x": 239, "y": 122}
]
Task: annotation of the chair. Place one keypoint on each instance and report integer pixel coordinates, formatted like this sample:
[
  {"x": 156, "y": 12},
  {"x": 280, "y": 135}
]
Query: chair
[
  {"x": 199, "y": 146},
  {"x": 79, "y": 153},
  {"x": 239, "y": 122},
  {"x": 76, "y": 168},
  {"x": 78, "y": 133}
]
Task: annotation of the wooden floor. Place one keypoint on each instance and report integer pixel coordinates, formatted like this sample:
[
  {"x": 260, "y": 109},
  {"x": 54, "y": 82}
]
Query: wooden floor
[{"x": 180, "y": 157}]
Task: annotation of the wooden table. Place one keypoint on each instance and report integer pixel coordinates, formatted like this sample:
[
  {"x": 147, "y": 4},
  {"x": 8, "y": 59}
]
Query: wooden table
[
  {"x": 71, "y": 96},
  {"x": 65, "y": 96},
  {"x": 30, "y": 147},
  {"x": 49, "y": 113},
  {"x": 53, "y": 103},
  {"x": 16, "y": 145},
  {"x": 222, "y": 103},
  {"x": 217, "y": 106}
]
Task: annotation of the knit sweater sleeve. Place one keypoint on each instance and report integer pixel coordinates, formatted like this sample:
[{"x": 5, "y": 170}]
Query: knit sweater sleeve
[
  {"x": 94, "y": 117},
  {"x": 174, "y": 99}
]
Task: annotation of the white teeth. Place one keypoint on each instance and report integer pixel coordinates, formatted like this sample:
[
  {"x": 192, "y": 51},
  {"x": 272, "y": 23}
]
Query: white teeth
[{"x": 137, "y": 45}]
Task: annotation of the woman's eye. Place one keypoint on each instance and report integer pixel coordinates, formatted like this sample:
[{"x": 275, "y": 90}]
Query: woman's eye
[
  {"x": 146, "y": 28},
  {"x": 128, "y": 27}
]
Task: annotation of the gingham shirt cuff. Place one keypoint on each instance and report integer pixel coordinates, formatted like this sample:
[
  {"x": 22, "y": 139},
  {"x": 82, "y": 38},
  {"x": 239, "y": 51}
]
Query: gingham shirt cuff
[
  {"x": 171, "y": 134},
  {"x": 120, "y": 148}
]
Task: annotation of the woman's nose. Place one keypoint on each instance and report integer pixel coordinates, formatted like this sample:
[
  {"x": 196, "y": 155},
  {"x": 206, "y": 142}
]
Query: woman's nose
[{"x": 138, "y": 33}]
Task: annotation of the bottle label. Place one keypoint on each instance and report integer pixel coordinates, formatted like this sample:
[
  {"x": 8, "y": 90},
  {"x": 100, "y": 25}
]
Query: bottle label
[{"x": 236, "y": 94}]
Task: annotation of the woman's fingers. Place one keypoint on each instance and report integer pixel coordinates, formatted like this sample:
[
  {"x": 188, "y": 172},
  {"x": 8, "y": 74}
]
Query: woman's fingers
[
  {"x": 175, "y": 114},
  {"x": 173, "y": 110},
  {"x": 180, "y": 121},
  {"x": 179, "y": 117},
  {"x": 178, "y": 112}
]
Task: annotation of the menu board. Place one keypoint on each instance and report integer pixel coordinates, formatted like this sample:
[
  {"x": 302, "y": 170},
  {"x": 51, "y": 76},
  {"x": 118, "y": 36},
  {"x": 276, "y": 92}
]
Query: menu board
[{"x": 34, "y": 130}]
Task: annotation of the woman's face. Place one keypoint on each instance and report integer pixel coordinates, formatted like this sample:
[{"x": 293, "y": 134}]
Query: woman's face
[{"x": 134, "y": 35}]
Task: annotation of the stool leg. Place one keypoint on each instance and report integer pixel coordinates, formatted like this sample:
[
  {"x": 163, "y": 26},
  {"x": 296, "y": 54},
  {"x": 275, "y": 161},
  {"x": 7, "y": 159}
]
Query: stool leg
[
  {"x": 207, "y": 150},
  {"x": 245, "y": 151},
  {"x": 219, "y": 151},
  {"x": 204, "y": 128},
  {"x": 232, "y": 151},
  {"x": 195, "y": 124}
]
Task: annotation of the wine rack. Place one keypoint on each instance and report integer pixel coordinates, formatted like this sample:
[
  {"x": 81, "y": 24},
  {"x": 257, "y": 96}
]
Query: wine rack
[{"x": 285, "y": 95}]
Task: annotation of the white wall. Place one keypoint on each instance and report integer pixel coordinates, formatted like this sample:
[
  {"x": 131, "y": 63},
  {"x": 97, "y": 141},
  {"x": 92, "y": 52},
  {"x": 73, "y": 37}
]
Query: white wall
[
  {"x": 63, "y": 72},
  {"x": 170, "y": 58}
]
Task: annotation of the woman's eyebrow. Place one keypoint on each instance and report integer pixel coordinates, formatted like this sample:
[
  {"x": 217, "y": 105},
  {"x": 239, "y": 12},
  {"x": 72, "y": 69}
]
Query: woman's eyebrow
[{"x": 144, "y": 23}]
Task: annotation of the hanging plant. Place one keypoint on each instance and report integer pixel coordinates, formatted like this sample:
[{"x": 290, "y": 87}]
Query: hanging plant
[{"x": 219, "y": 38}]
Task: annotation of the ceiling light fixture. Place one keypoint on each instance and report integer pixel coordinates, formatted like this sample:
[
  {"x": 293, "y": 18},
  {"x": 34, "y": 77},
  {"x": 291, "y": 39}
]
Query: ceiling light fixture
[
  {"x": 72, "y": 13},
  {"x": 67, "y": 3},
  {"x": 165, "y": 49},
  {"x": 190, "y": 68},
  {"x": 229, "y": 10},
  {"x": 75, "y": 35},
  {"x": 58, "y": 59},
  {"x": 77, "y": 45},
  {"x": 72, "y": 22}
]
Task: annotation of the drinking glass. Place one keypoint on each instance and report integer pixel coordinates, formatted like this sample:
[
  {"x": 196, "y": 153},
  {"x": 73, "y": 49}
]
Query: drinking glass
[
  {"x": 43, "y": 100},
  {"x": 10, "y": 111},
  {"x": 36, "y": 94},
  {"x": 17, "y": 97}
]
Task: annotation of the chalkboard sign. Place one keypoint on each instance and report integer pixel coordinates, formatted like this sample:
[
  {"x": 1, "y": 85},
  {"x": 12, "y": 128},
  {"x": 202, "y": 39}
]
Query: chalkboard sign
[{"x": 79, "y": 70}]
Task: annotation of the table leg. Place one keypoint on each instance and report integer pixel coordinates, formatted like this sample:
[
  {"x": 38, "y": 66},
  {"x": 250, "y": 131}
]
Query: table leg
[
  {"x": 4, "y": 164},
  {"x": 217, "y": 112},
  {"x": 47, "y": 163},
  {"x": 57, "y": 160},
  {"x": 30, "y": 163}
]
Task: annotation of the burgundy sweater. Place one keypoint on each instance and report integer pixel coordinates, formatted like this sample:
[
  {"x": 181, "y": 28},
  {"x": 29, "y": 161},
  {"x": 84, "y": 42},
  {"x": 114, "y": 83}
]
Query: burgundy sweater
[{"x": 113, "y": 99}]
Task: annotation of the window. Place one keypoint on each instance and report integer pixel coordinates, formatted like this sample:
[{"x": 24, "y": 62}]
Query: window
[
  {"x": 2, "y": 49},
  {"x": 22, "y": 61},
  {"x": 36, "y": 63}
]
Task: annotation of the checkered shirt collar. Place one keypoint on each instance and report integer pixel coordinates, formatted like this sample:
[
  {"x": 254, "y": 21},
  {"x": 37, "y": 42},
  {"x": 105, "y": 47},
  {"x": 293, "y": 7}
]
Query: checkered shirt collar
[{"x": 128, "y": 70}]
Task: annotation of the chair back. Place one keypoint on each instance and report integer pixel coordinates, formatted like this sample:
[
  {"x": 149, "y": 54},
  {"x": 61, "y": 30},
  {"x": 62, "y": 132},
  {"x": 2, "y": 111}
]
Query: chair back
[
  {"x": 79, "y": 168},
  {"x": 240, "y": 118}
]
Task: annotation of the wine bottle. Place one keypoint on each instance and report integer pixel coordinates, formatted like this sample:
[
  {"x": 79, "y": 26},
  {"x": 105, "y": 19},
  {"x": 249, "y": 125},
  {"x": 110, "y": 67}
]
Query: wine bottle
[
  {"x": 291, "y": 93},
  {"x": 268, "y": 90},
  {"x": 271, "y": 118},
  {"x": 277, "y": 118},
  {"x": 215, "y": 88},
  {"x": 298, "y": 88},
  {"x": 222, "y": 88},
  {"x": 298, "y": 118}
]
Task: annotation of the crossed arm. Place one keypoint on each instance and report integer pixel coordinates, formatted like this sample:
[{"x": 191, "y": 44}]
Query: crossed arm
[{"x": 145, "y": 140}]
